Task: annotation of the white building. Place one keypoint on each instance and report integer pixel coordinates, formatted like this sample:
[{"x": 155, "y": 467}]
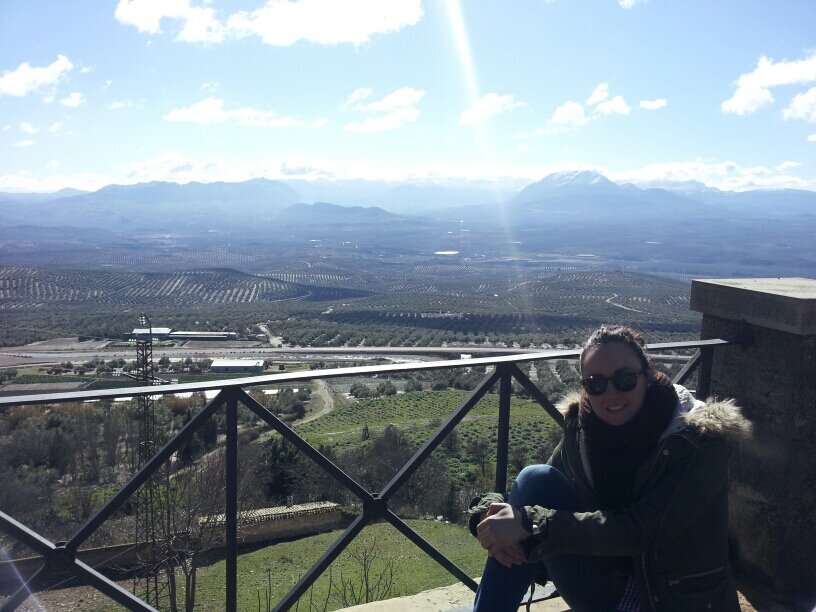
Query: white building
[{"x": 237, "y": 365}]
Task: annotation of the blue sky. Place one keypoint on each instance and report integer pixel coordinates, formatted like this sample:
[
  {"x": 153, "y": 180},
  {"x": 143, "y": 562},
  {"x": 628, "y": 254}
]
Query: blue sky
[{"x": 126, "y": 91}]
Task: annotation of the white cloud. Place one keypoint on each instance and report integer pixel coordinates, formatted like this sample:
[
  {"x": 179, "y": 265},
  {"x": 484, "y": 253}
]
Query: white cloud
[
  {"x": 811, "y": 138},
  {"x": 23, "y": 143},
  {"x": 600, "y": 94},
  {"x": 211, "y": 110},
  {"x": 199, "y": 24},
  {"x": 120, "y": 104},
  {"x": 627, "y": 4},
  {"x": 86, "y": 69},
  {"x": 651, "y": 105},
  {"x": 399, "y": 107},
  {"x": 209, "y": 86},
  {"x": 569, "y": 115},
  {"x": 26, "y": 78},
  {"x": 615, "y": 106},
  {"x": 55, "y": 127},
  {"x": 278, "y": 22},
  {"x": 6, "y": 128},
  {"x": 725, "y": 175},
  {"x": 754, "y": 88},
  {"x": 489, "y": 106},
  {"x": 356, "y": 96},
  {"x": 48, "y": 99},
  {"x": 53, "y": 164},
  {"x": 73, "y": 100},
  {"x": 328, "y": 22},
  {"x": 391, "y": 121},
  {"x": 803, "y": 106},
  {"x": 401, "y": 98},
  {"x": 787, "y": 165},
  {"x": 26, "y": 127}
]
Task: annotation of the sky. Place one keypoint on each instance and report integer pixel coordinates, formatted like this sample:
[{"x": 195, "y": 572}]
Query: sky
[{"x": 127, "y": 91}]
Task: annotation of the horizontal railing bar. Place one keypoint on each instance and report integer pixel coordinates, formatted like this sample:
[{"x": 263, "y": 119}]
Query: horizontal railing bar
[{"x": 292, "y": 377}]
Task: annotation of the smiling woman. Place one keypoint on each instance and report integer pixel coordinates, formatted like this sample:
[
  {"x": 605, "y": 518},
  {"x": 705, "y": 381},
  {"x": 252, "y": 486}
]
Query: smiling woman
[{"x": 630, "y": 513}]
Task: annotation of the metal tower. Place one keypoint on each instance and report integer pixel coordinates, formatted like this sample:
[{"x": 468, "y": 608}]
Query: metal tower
[{"x": 147, "y": 513}]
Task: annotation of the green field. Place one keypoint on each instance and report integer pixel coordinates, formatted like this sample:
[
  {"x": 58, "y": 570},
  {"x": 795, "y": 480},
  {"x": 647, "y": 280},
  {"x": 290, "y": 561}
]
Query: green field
[{"x": 283, "y": 564}]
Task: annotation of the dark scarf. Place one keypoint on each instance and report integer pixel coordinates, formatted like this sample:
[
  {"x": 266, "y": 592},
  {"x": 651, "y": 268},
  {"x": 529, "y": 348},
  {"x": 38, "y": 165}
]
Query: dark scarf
[{"x": 617, "y": 452}]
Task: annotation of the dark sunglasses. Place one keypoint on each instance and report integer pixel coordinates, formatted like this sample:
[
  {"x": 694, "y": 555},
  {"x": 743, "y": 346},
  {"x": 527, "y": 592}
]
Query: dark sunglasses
[{"x": 623, "y": 380}]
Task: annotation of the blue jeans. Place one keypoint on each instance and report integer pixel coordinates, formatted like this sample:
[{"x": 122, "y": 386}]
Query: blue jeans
[{"x": 585, "y": 582}]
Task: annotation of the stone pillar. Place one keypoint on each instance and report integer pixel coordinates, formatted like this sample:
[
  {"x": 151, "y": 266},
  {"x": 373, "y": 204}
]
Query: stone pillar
[{"x": 773, "y": 378}]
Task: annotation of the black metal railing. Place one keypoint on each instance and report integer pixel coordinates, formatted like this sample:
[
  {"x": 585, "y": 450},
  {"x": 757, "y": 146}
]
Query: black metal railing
[{"x": 61, "y": 558}]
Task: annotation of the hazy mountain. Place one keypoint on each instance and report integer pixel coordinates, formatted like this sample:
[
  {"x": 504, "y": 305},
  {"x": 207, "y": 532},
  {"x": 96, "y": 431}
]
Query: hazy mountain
[
  {"x": 321, "y": 213},
  {"x": 689, "y": 188},
  {"x": 779, "y": 203},
  {"x": 39, "y": 197},
  {"x": 159, "y": 205},
  {"x": 405, "y": 198}
]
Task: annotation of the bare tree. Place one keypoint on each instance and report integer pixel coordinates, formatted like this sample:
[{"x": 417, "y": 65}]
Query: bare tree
[{"x": 370, "y": 578}]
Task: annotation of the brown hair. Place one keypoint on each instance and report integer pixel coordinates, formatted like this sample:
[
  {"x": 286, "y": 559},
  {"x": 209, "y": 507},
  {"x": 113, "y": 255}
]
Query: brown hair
[{"x": 607, "y": 334}]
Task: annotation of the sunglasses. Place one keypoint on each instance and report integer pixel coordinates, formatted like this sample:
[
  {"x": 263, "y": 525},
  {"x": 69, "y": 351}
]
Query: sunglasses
[{"x": 623, "y": 380}]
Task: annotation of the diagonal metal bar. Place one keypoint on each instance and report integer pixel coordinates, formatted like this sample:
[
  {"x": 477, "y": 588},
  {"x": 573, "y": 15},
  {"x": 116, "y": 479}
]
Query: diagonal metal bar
[
  {"x": 23, "y": 534},
  {"x": 303, "y": 446},
  {"x": 503, "y": 441},
  {"x": 144, "y": 473},
  {"x": 85, "y": 573},
  {"x": 688, "y": 369},
  {"x": 231, "y": 510},
  {"x": 704, "y": 375},
  {"x": 430, "y": 550},
  {"x": 538, "y": 396},
  {"x": 26, "y": 588},
  {"x": 80, "y": 570},
  {"x": 320, "y": 566},
  {"x": 426, "y": 449}
]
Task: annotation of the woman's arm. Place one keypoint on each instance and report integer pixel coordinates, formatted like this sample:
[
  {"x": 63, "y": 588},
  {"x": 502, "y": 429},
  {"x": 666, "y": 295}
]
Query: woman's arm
[{"x": 688, "y": 485}]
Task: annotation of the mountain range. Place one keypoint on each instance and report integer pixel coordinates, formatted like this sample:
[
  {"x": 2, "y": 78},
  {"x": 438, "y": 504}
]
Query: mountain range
[{"x": 573, "y": 211}]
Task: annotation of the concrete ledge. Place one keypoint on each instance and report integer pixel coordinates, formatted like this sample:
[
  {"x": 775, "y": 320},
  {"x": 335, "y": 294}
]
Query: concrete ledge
[
  {"x": 783, "y": 304},
  {"x": 459, "y": 598}
]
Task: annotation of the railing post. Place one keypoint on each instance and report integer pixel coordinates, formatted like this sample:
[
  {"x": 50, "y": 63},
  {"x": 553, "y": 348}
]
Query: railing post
[
  {"x": 231, "y": 510},
  {"x": 502, "y": 450}
]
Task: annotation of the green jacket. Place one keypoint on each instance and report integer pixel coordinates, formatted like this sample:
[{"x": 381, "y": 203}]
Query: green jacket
[{"x": 677, "y": 529}]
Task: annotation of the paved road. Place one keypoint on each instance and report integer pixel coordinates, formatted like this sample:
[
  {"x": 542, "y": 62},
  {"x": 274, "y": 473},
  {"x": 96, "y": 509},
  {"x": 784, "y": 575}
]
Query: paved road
[{"x": 24, "y": 355}]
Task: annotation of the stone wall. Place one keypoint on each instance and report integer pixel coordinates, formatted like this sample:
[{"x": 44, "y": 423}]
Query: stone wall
[{"x": 773, "y": 378}]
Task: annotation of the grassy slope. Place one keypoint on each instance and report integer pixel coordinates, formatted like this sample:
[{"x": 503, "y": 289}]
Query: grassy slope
[{"x": 288, "y": 561}]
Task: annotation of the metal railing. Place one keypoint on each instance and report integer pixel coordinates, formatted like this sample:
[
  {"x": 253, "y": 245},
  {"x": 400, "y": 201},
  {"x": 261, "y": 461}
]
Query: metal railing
[{"x": 60, "y": 558}]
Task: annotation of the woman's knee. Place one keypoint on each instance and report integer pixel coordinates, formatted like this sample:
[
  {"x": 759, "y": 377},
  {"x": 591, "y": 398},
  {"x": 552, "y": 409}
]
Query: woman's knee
[{"x": 542, "y": 485}]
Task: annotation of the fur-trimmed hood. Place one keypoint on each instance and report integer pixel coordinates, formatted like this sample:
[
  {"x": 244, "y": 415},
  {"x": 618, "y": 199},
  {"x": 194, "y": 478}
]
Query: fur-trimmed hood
[{"x": 713, "y": 418}]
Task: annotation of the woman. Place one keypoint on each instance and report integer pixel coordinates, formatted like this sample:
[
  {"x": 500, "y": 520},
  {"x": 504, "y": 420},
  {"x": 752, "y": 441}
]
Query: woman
[{"x": 631, "y": 512}]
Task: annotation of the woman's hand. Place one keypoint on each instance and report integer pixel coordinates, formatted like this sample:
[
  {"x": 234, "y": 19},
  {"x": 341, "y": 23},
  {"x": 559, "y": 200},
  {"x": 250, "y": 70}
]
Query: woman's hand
[{"x": 500, "y": 533}]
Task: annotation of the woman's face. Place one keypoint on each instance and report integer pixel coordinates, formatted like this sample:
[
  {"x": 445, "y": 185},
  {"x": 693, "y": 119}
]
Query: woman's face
[{"x": 614, "y": 407}]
